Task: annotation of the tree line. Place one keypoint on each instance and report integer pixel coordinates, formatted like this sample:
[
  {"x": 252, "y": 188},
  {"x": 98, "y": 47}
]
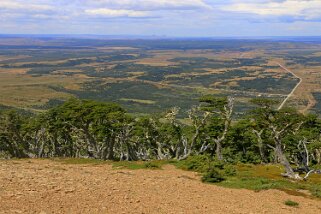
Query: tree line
[{"x": 92, "y": 129}]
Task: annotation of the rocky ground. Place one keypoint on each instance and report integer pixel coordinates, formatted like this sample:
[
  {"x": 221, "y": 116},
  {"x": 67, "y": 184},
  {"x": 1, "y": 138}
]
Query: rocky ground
[{"x": 43, "y": 186}]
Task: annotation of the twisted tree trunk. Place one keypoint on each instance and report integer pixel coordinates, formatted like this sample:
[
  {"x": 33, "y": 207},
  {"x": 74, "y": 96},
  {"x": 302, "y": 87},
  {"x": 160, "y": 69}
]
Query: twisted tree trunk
[{"x": 260, "y": 144}]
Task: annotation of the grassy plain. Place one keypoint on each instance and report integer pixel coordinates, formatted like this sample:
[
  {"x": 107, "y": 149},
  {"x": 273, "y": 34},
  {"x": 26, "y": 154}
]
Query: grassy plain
[{"x": 150, "y": 76}]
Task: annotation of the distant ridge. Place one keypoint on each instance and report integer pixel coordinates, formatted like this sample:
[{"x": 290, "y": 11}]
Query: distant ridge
[{"x": 157, "y": 37}]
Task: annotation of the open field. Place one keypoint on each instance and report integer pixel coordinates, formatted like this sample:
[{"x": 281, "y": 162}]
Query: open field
[
  {"x": 44, "y": 186},
  {"x": 304, "y": 97},
  {"x": 148, "y": 76},
  {"x": 26, "y": 91}
]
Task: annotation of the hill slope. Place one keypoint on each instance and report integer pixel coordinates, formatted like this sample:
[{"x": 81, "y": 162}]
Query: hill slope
[{"x": 42, "y": 186}]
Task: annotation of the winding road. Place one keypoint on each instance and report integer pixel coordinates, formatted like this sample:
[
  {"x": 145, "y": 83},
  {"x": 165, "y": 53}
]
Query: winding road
[{"x": 289, "y": 95}]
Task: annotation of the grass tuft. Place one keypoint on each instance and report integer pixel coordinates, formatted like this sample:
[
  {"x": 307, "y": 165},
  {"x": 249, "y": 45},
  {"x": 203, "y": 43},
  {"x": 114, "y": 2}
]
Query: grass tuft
[
  {"x": 133, "y": 165},
  {"x": 291, "y": 203},
  {"x": 81, "y": 161},
  {"x": 212, "y": 176}
]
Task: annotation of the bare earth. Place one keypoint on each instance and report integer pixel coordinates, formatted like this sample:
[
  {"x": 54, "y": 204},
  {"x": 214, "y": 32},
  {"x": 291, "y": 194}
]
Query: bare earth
[{"x": 43, "y": 186}]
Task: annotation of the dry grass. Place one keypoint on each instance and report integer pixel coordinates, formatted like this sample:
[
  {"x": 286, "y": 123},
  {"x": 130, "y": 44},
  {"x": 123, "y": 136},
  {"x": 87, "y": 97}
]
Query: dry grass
[
  {"x": 14, "y": 71},
  {"x": 67, "y": 71},
  {"x": 4, "y": 58},
  {"x": 150, "y": 102},
  {"x": 158, "y": 59},
  {"x": 311, "y": 83},
  {"x": 25, "y": 91},
  {"x": 162, "y": 58},
  {"x": 107, "y": 48}
]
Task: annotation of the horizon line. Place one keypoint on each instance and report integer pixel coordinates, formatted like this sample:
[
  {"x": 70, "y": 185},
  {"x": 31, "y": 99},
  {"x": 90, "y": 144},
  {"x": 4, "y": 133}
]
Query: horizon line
[{"x": 152, "y": 36}]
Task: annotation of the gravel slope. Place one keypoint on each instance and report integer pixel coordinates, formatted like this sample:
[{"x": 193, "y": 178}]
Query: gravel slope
[{"x": 43, "y": 186}]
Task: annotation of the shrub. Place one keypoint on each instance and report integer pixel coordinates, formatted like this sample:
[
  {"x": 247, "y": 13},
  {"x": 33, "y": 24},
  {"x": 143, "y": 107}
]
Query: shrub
[
  {"x": 4, "y": 155},
  {"x": 218, "y": 164},
  {"x": 199, "y": 163},
  {"x": 229, "y": 170},
  {"x": 291, "y": 203},
  {"x": 151, "y": 165},
  {"x": 249, "y": 157},
  {"x": 133, "y": 165},
  {"x": 212, "y": 176},
  {"x": 316, "y": 191}
]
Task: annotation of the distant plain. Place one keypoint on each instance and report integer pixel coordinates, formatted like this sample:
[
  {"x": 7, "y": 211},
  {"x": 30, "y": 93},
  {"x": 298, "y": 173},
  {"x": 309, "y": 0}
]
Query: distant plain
[{"x": 147, "y": 76}]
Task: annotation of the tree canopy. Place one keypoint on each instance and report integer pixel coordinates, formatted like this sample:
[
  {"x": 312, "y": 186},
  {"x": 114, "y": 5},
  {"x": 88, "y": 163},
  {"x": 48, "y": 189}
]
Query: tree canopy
[{"x": 86, "y": 128}]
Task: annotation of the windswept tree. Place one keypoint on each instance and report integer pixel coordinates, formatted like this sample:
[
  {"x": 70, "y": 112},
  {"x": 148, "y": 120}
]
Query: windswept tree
[
  {"x": 168, "y": 138},
  {"x": 12, "y": 134},
  {"x": 186, "y": 140},
  {"x": 198, "y": 119},
  {"x": 280, "y": 125},
  {"x": 258, "y": 116},
  {"x": 242, "y": 143},
  {"x": 89, "y": 127},
  {"x": 305, "y": 143},
  {"x": 148, "y": 137},
  {"x": 315, "y": 150},
  {"x": 221, "y": 112}
]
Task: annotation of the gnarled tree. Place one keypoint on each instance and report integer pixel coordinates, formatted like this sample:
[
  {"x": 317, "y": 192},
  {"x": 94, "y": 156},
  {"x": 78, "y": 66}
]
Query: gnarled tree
[{"x": 221, "y": 112}]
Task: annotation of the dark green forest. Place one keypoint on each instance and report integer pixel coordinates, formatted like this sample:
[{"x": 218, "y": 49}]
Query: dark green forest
[{"x": 99, "y": 130}]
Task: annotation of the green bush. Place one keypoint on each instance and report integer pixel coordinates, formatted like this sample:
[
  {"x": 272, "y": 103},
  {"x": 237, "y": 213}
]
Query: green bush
[
  {"x": 316, "y": 191},
  {"x": 151, "y": 165},
  {"x": 133, "y": 165},
  {"x": 249, "y": 157},
  {"x": 212, "y": 176},
  {"x": 218, "y": 164},
  {"x": 202, "y": 164},
  {"x": 291, "y": 203},
  {"x": 199, "y": 163},
  {"x": 229, "y": 170},
  {"x": 4, "y": 155}
]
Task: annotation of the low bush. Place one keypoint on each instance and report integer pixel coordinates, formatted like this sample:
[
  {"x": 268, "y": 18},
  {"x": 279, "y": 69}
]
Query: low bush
[
  {"x": 4, "y": 155},
  {"x": 133, "y": 165},
  {"x": 291, "y": 203},
  {"x": 218, "y": 164},
  {"x": 212, "y": 176},
  {"x": 229, "y": 170},
  {"x": 151, "y": 165},
  {"x": 199, "y": 163},
  {"x": 316, "y": 191}
]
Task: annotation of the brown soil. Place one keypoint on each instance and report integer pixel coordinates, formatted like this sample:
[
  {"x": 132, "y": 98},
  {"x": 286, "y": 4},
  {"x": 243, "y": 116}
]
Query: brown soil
[{"x": 43, "y": 186}]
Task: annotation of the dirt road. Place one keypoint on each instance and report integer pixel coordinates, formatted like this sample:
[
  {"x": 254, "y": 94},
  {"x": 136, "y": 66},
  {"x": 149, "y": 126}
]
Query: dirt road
[
  {"x": 43, "y": 186},
  {"x": 293, "y": 90}
]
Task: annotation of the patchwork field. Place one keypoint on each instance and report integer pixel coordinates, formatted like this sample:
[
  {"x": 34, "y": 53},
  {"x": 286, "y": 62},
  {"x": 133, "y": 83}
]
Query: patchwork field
[{"x": 148, "y": 76}]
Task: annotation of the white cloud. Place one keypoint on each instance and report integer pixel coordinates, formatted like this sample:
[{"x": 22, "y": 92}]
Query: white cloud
[
  {"x": 183, "y": 17},
  {"x": 308, "y": 9},
  {"x": 138, "y": 8},
  {"x": 87, "y": 9},
  {"x": 150, "y": 5},
  {"x": 105, "y": 12},
  {"x": 18, "y": 5}
]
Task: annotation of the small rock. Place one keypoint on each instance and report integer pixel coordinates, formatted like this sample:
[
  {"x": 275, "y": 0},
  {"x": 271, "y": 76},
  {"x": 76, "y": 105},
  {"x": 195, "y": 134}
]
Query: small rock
[
  {"x": 57, "y": 190},
  {"x": 69, "y": 191}
]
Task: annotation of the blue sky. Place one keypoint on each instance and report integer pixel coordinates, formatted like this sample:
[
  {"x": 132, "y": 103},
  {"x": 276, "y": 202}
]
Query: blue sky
[{"x": 183, "y": 18}]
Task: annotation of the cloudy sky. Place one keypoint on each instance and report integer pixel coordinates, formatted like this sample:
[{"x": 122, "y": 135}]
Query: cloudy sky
[{"x": 190, "y": 18}]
